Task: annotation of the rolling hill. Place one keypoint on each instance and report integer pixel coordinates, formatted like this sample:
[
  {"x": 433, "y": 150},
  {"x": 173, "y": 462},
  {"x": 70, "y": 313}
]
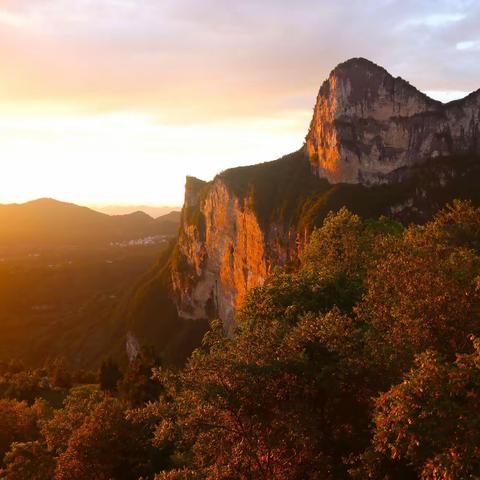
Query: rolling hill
[{"x": 46, "y": 221}]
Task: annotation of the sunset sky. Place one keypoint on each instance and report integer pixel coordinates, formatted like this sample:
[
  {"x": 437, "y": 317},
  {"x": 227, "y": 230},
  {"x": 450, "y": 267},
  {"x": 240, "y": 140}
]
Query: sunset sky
[{"x": 115, "y": 101}]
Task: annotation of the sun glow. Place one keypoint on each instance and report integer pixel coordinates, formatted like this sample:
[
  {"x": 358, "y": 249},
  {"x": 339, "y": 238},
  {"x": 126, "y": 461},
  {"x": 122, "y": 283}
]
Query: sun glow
[
  {"x": 115, "y": 101},
  {"x": 128, "y": 157}
]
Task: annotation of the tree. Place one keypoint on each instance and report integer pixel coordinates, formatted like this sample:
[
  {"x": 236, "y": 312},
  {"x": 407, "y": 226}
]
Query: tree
[
  {"x": 361, "y": 363},
  {"x": 109, "y": 375},
  {"x": 107, "y": 445},
  {"x": 275, "y": 402},
  {"x": 58, "y": 373},
  {"x": 432, "y": 418},
  {"x": 76, "y": 407},
  {"x": 347, "y": 244},
  {"x": 18, "y": 423},
  {"x": 137, "y": 385},
  {"x": 456, "y": 225},
  {"x": 28, "y": 461},
  {"x": 24, "y": 385},
  {"x": 421, "y": 295},
  {"x": 290, "y": 395}
]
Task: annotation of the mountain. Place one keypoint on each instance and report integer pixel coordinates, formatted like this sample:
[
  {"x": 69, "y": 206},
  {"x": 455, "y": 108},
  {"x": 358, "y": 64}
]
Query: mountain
[
  {"x": 367, "y": 124},
  {"x": 64, "y": 270},
  {"x": 375, "y": 144},
  {"x": 153, "y": 211},
  {"x": 46, "y": 221},
  {"x": 169, "y": 221}
]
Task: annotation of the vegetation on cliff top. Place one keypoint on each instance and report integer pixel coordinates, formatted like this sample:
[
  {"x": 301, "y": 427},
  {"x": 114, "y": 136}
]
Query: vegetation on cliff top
[{"x": 286, "y": 192}]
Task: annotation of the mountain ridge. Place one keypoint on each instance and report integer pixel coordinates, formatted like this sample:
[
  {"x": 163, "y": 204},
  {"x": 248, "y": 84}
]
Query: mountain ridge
[
  {"x": 152, "y": 211},
  {"x": 46, "y": 220}
]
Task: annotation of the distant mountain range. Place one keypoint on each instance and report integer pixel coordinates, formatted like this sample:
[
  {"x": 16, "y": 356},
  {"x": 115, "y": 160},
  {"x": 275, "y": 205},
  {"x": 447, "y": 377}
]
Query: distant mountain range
[
  {"x": 48, "y": 221},
  {"x": 153, "y": 211}
]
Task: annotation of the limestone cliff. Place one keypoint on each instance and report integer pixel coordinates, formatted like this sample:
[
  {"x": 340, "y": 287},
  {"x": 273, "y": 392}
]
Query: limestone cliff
[
  {"x": 367, "y": 124},
  {"x": 376, "y": 145},
  {"x": 222, "y": 251}
]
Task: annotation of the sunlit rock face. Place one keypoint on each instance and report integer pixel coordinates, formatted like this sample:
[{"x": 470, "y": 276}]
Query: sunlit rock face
[
  {"x": 222, "y": 252},
  {"x": 367, "y": 124},
  {"x": 218, "y": 239}
]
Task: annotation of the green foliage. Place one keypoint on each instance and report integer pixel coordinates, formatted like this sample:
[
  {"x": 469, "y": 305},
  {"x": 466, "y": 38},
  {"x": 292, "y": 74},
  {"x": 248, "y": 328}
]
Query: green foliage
[
  {"x": 89, "y": 436},
  {"x": 347, "y": 244},
  {"x": 456, "y": 225},
  {"x": 276, "y": 190},
  {"x": 23, "y": 385},
  {"x": 287, "y": 296},
  {"x": 58, "y": 373},
  {"x": 272, "y": 404},
  {"x": 152, "y": 316},
  {"x": 64, "y": 301},
  {"x": 285, "y": 194},
  {"x": 284, "y": 191},
  {"x": 420, "y": 295}
]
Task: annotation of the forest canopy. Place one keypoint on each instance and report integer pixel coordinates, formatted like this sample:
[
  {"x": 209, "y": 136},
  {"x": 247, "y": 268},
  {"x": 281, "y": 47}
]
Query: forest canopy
[{"x": 363, "y": 363}]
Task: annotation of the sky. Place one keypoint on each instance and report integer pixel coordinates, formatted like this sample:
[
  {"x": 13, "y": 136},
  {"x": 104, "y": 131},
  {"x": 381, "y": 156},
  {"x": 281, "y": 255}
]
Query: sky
[{"x": 116, "y": 101}]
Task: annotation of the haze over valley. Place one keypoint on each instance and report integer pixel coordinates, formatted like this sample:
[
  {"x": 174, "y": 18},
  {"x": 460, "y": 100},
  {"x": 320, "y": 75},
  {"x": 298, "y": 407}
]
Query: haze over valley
[{"x": 63, "y": 270}]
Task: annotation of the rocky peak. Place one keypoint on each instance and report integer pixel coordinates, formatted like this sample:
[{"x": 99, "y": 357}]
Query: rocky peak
[
  {"x": 367, "y": 90},
  {"x": 367, "y": 124}
]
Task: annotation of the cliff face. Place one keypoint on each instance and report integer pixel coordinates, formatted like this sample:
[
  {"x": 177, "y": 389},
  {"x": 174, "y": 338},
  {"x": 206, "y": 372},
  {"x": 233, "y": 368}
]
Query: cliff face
[
  {"x": 222, "y": 252},
  {"x": 376, "y": 145},
  {"x": 367, "y": 124}
]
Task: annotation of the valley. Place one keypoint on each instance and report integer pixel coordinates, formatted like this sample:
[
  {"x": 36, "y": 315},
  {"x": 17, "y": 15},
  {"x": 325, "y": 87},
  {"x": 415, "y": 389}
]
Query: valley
[{"x": 59, "y": 298}]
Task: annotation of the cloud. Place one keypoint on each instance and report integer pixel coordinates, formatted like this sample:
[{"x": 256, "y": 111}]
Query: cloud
[
  {"x": 434, "y": 20},
  {"x": 220, "y": 58},
  {"x": 468, "y": 45}
]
